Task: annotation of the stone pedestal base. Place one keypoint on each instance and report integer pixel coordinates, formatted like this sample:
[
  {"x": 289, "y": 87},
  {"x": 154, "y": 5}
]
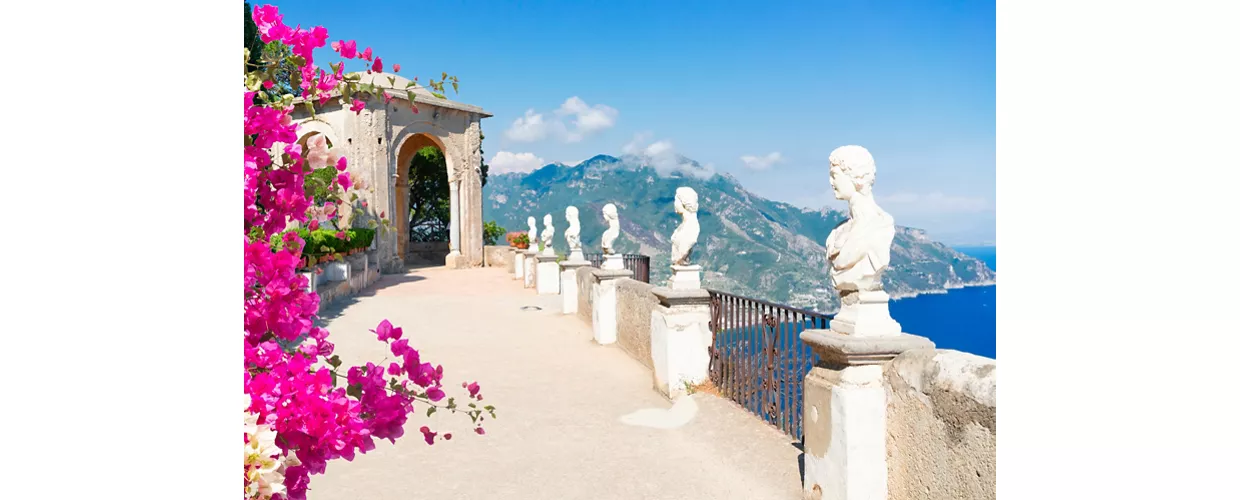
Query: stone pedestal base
[
  {"x": 309, "y": 280},
  {"x": 510, "y": 263},
  {"x": 603, "y": 304},
  {"x": 866, "y": 316},
  {"x": 548, "y": 275},
  {"x": 518, "y": 265},
  {"x": 845, "y": 419},
  {"x": 577, "y": 256},
  {"x": 613, "y": 262},
  {"x": 680, "y": 339},
  {"x": 568, "y": 284},
  {"x": 685, "y": 278},
  {"x": 531, "y": 267},
  {"x": 455, "y": 260}
]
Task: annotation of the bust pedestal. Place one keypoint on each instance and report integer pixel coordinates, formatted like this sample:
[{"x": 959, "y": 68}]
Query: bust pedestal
[
  {"x": 613, "y": 262},
  {"x": 568, "y": 283},
  {"x": 866, "y": 316},
  {"x": 680, "y": 339},
  {"x": 548, "y": 275},
  {"x": 685, "y": 278},
  {"x": 845, "y": 413},
  {"x": 603, "y": 303},
  {"x": 518, "y": 264},
  {"x": 531, "y": 267},
  {"x": 577, "y": 256}
]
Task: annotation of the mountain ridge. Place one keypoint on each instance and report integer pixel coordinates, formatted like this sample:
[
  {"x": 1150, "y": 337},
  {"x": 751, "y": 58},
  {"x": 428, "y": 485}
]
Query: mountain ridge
[{"x": 749, "y": 245}]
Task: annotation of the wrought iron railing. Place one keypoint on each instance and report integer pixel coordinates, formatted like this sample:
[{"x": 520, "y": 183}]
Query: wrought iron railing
[
  {"x": 757, "y": 358},
  {"x": 639, "y": 264}
]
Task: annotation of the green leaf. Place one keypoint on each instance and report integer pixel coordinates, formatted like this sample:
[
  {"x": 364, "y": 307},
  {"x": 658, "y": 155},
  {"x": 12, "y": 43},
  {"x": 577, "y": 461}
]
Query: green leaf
[
  {"x": 445, "y": 74},
  {"x": 410, "y": 95},
  {"x": 392, "y": 80},
  {"x": 410, "y": 84},
  {"x": 354, "y": 390},
  {"x": 455, "y": 88},
  {"x": 430, "y": 411},
  {"x": 334, "y": 377},
  {"x": 334, "y": 361},
  {"x": 437, "y": 94}
]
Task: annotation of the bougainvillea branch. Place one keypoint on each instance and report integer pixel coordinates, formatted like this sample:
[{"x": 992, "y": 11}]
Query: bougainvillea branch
[{"x": 302, "y": 409}]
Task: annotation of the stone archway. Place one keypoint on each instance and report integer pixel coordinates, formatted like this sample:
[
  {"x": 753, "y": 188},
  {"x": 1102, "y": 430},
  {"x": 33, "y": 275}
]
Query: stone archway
[{"x": 405, "y": 152}]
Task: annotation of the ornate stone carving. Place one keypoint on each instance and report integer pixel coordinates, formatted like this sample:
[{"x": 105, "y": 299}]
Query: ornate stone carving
[
  {"x": 573, "y": 234},
  {"x": 533, "y": 233},
  {"x": 547, "y": 234},
  {"x": 612, "y": 216},
  {"x": 860, "y": 249},
  {"x": 686, "y": 234}
]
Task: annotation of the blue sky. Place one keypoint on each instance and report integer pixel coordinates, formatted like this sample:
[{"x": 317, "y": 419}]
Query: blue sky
[{"x": 763, "y": 91}]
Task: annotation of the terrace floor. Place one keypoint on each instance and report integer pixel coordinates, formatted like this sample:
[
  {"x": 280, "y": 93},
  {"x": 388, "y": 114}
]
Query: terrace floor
[{"x": 570, "y": 411}]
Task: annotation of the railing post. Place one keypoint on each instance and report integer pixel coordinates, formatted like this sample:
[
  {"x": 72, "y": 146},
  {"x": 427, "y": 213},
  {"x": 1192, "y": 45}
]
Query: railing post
[
  {"x": 531, "y": 261},
  {"x": 680, "y": 339},
  {"x": 568, "y": 283},
  {"x": 603, "y": 304},
  {"x": 845, "y": 417},
  {"x": 548, "y": 275}
]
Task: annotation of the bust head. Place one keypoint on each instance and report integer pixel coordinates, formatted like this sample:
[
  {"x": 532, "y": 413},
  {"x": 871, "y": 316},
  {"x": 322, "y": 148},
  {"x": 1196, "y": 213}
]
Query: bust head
[
  {"x": 530, "y": 221},
  {"x": 570, "y": 213},
  {"x": 547, "y": 220},
  {"x": 686, "y": 200},
  {"x": 852, "y": 171},
  {"x": 610, "y": 213}
]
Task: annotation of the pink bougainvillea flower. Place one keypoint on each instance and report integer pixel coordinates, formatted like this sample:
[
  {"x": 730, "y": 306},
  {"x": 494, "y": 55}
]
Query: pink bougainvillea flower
[
  {"x": 382, "y": 214},
  {"x": 480, "y": 431},
  {"x": 473, "y": 389},
  {"x": 396, "y": 68},
  {"x": 365, "y": 204},
  {"x": 348, "y": 49},
  {"x": 358, "y": 106},
  {"x": 340, "y": 235},
  {"x": 343, "y": 179},
  {"x": 400, "y": 347},
  {"x": 447, "y": 436},
  {"x": 317, "y": 154},
  {"x": 342, "y": 164},
  {"x": 428, "y": 435},
  {"x": 314, "y": 224},
  {"x": 336, "y": 46},
  {"x": 378, "y": 66},
  {"x": 434, "y": 394},
  {"x": 387, "y": 98},
  {"x": 366, "y": 54},
  {"x": 267, "y": 84}
]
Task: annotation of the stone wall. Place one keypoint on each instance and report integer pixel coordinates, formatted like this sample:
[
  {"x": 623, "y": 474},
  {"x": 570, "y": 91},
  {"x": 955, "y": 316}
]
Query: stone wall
[
  {"x": 634, "y": 302},
  {"x": 940, "y": 426},
  {"x": 585, "y": 282},
  {"x": 426, "y": 253},
  {"x": 497, "y": 256}
]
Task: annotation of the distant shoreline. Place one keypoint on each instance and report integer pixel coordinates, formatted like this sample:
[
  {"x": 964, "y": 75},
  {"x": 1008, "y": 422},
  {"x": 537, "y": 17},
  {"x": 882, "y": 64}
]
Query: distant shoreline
[{"x": 942, "y": 291}]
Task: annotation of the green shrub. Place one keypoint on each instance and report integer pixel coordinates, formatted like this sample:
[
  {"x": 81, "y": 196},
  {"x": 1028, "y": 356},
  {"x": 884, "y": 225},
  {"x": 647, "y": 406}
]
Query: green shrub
[{"x": 491, "y": 232}]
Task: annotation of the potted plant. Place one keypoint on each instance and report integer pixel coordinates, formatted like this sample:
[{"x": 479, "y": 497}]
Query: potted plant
[{"x": 519, "y": 240}]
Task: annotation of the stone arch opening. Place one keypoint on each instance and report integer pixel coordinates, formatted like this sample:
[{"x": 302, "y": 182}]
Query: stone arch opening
[{"x": 424, "y": 200}]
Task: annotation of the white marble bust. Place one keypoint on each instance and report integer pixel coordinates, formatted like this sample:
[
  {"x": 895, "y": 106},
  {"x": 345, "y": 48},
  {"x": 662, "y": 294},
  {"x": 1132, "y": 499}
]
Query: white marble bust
[
  {"x": 547, "y": 234},
  {"x": 612, "y": 216},
  {"x": 573, "y": 234},
  {"x": 686, "y": 234},
  {"x": 860, "y": 248},
  {"x": 533, "y": 233}
]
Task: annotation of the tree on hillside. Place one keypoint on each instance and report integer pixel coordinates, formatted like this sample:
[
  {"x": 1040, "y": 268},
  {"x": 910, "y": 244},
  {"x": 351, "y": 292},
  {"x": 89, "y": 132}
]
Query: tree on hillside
[{"x": 429, "y": 199}]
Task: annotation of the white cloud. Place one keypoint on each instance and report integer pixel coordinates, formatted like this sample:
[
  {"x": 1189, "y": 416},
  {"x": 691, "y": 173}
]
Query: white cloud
[
  {"x": 662, "y": 157},
  {"x": 589, "y": 119},
  {"x": 505, "y": 162},
  {"x": 528, "y": 128},
  {"x": 762, "y": 162},
  {"x": 586, "y": 120},
  {"x": 935, "y": 202}
]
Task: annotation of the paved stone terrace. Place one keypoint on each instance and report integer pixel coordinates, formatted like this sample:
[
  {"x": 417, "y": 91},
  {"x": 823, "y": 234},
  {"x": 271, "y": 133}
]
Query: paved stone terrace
[{"x": 560, "y": 398}]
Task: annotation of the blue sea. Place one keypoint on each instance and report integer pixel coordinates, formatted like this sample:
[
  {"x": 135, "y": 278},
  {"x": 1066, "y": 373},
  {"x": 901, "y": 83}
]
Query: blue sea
[{"x": 962, "y": 319}]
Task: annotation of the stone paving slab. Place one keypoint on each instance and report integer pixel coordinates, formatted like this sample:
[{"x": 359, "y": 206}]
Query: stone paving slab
[{"x": 566, "y": 407}]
